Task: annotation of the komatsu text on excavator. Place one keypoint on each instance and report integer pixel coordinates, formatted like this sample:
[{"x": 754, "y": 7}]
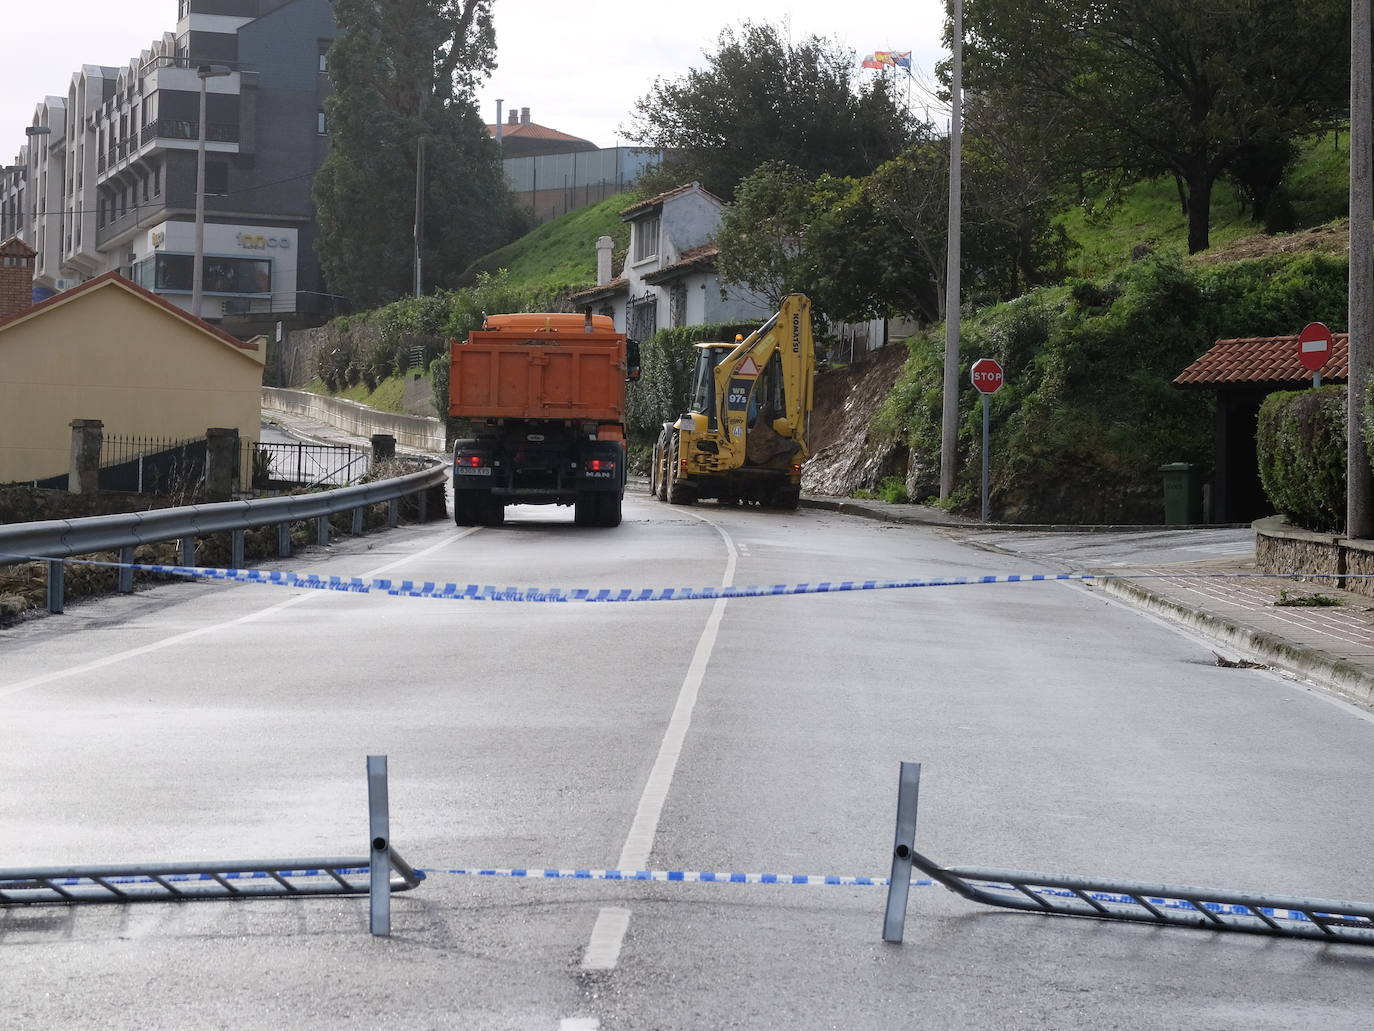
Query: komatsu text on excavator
[{"x": 743, "y": 437}]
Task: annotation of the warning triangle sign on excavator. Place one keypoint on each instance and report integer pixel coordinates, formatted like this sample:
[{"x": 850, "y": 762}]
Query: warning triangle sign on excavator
[{"x": 749, "y": 368}]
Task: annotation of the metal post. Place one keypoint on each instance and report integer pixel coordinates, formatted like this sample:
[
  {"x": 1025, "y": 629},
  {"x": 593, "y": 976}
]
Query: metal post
[
  {"x": 236, "y": 549},
  {"x": 55, "y": 593},
  {"x": 949, "y": 422},
  {"x": 322, "y": 531},
  {"x": 379, "y": 830},
  {"x": 357, "y": 522},
  {"x": 423, "y": 515},
  {"x": 899, "y": 884},
  {"x": 284, "y": 540},
  {"x": 986, "y": 398},
  {"x": 188, "y": 551},
  {"x": 419, "y": 210},
  {"x": 393, "y": 513},
  {"x": 1359, "y": 518},
  {"x": 126, "y": 575}
]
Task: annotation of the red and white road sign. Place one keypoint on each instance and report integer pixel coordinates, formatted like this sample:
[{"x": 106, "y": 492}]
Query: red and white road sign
[
  {"x": 986, "y": 375},
  {"x": 748, "y": 367},
  {"x": 1314, "y": 346}
]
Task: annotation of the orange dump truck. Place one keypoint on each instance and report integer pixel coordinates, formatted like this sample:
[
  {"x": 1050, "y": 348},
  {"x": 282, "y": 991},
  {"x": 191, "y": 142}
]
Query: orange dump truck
[{"x": 546, "y": 395}]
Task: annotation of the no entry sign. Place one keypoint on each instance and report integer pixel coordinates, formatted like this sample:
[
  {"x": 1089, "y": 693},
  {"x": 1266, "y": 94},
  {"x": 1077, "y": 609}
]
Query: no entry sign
[
  {"x": 1314, "y": 346},
  {"x": 986, "y": 375}
]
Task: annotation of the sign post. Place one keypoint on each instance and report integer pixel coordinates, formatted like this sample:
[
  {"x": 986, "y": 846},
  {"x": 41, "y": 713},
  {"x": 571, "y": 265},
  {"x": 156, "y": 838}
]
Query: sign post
[
  {"x": 986, "y": 375},
  {"x": 1314, "y": 349}
]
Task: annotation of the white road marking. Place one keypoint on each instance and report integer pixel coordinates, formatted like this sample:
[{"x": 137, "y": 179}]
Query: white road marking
[
  {"x": 579, "y": 1024},
  {"x": 608, "y": 934},
  {"x": 603, "y": 951},
  {"x": 167, "y": 642}
]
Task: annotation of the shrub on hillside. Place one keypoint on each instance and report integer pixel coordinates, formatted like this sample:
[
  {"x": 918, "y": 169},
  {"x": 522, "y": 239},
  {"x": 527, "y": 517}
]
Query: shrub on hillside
[{"x": 1301, "y": 441}]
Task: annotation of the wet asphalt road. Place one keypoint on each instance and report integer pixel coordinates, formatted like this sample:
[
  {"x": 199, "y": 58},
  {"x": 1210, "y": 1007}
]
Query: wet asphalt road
[{"x": 1058, "y": 731}]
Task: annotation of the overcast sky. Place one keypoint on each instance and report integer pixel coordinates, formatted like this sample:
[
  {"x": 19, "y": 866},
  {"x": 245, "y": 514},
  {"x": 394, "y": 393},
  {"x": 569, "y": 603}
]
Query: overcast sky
[{"x": 578, "y": 67}]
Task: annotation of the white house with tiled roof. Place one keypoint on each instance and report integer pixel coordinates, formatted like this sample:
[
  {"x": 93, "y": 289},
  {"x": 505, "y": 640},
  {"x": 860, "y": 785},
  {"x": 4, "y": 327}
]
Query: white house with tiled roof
[{"x": 669, "y": 278}]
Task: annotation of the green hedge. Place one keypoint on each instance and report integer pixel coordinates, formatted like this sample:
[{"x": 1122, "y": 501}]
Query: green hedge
[{"x": 1301, "y": 441}]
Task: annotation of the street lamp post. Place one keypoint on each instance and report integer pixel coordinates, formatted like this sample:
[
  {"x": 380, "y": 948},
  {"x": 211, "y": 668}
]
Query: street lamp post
[
  {"x": 31, "y": 131},
  {"x": 204, "y": 72}
]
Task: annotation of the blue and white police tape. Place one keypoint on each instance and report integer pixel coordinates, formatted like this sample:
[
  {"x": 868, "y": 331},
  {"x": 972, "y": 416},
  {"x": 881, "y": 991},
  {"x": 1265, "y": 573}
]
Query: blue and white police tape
[
  {"x": 675, "y": 876},
  {"x": 489, "y": 592},
  {"x": 695, "y": 877}
]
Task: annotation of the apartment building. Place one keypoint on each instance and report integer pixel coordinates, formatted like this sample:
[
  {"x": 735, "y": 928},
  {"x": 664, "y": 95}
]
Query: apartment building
[{"x": 106, "y": 180}]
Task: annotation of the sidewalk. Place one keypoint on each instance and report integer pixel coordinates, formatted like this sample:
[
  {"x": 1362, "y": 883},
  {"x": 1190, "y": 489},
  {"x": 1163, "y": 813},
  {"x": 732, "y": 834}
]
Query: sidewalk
[{"x": 1331, "y": 648}]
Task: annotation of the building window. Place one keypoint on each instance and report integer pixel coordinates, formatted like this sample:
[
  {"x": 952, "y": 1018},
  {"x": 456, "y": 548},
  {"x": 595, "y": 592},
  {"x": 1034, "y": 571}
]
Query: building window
[
  {"x": 216, "y": 178},
  {"x": 220, "y": 275},
  {"x": 321, "y": 126},
  {"x": 641, "y": 317},
  {"x": 324, "y": 55},
  {"x": 646, "y": 238}
]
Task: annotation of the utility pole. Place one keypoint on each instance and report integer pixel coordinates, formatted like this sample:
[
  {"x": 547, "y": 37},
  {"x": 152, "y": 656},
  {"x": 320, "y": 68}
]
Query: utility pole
[
  {"x": 949, "y": 424},
  {"x": 1359, "y": 516},
  {"x": 419, "y": 208}
]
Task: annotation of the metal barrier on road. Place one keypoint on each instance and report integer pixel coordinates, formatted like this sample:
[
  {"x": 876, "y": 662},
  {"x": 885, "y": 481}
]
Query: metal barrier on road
[
  {"x": 376, "y": 876},
  {"x": 1207, "y": 909}
]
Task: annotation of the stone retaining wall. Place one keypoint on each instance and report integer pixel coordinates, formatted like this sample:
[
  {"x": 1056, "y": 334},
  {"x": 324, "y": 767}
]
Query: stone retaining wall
[
  {"x": 1280, "y": 548},
  {"x": 412, "y": 431}
]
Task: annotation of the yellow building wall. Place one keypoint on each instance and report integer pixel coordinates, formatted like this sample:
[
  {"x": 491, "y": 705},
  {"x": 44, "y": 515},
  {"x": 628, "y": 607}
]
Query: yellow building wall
[{"x": 112, "y": 355}]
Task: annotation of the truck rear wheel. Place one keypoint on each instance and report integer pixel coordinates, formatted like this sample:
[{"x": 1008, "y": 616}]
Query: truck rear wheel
[
  {"x": 610, "y": 510},
  {"x": 465, "y": 508},
  {"x": 585, "y": 509},
  {"x": 491, "y": 511}
]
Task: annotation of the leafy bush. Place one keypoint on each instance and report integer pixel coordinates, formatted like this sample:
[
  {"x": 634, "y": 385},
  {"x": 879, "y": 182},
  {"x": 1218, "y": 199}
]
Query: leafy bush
[{"x": 1301, "y": 440}]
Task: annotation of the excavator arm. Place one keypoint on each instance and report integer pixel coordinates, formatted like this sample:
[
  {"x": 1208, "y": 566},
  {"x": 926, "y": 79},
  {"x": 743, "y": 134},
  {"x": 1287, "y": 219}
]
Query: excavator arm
[{"x": 763, "y": 388}]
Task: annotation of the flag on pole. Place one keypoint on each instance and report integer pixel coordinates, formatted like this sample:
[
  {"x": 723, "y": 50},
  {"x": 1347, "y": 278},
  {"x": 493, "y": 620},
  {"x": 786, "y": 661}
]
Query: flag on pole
[
  {"x": 877, "y": 60},
  {"x": 883, "y": 59}
]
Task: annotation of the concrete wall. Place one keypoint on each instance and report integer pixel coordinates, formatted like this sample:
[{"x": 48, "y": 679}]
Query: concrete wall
[
  {"x": 108, "y": 353},
  {"x": 411, "y": 431}
]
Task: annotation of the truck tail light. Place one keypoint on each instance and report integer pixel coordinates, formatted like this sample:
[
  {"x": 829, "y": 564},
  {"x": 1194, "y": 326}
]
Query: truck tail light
[
  {"x": 596, "y": 465},
  {"x": 473, "y": 460},
  {"x": 682, "y": 466}
]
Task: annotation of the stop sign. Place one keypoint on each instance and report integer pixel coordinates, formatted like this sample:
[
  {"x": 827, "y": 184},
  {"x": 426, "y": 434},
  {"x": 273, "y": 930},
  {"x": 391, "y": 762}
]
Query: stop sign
[
  {"x": 986, "y": 375},
  {"x": 1314, "y": 346}
]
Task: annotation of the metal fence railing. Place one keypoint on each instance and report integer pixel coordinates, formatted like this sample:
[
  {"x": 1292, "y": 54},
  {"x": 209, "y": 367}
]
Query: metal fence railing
[
  {"x": 151, "y": 465},
  {"x": 278, "y": 464}
]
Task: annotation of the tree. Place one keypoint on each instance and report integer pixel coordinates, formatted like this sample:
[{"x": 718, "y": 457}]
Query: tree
[
  {"x": 762, "y": 97},
  {"x": 404, "y": 70},
  {"x": 1163, "y": 86}
]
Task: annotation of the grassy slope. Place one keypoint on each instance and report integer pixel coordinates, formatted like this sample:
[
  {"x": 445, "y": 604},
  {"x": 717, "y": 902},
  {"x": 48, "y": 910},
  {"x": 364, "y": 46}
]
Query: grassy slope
[
  {"x": 1149, "y": 213},
  {"x": 561, "y": 254}
]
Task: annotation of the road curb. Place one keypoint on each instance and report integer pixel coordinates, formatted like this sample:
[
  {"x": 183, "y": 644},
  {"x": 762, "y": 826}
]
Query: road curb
[
  {"x": 1332, "y": 675},
  {"x": 1337, "y": 677}
]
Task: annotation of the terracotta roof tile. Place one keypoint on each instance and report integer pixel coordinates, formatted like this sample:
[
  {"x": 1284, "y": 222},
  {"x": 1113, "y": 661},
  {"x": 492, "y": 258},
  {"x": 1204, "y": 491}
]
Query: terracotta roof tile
[
  {"x": 596, "y": 293},
  {"x": 1262, "y": 360},
  {"x": 693, "y": 258},
  {"x": 532, "y": 131},
  {"x": 656, "y": 201}
]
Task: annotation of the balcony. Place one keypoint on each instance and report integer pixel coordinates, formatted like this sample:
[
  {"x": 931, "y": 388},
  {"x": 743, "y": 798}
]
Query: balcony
[{"x": 188, "y": 129}]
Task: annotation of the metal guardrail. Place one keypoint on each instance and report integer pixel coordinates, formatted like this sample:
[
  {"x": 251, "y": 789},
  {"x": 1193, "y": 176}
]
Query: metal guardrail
[
  {"x": 1207, "y": 909},
  {"x": 56, "y": 539}
]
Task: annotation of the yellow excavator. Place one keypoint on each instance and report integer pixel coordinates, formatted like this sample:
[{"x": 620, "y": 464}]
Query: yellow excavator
[{"x": 743, "y": 437}]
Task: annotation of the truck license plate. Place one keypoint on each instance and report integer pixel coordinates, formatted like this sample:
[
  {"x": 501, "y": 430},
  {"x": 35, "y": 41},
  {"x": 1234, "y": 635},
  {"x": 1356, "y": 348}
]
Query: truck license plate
[{"x": 467, "y": 470}]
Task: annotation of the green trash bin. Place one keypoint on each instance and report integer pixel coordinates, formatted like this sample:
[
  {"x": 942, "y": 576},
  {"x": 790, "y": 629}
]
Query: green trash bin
[{"x": 1182, "y": 494}]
